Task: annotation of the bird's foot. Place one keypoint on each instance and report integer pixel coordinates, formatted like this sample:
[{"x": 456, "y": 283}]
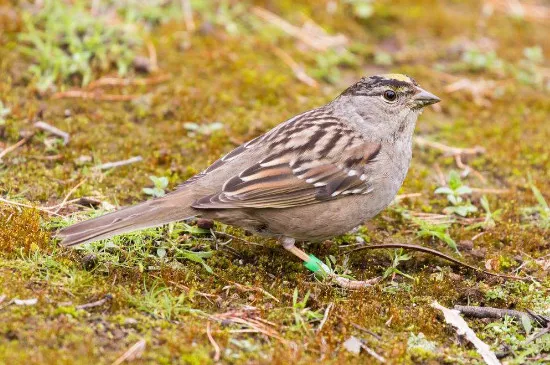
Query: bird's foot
[
  {"x": 354, "y": 284},
  {"x": 320, "y": 269}
]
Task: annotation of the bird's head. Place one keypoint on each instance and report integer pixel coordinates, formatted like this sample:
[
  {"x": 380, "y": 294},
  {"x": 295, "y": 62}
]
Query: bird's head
[{"x": 389, "y": 103}]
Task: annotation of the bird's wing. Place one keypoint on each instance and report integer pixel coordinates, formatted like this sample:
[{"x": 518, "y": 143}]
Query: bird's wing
[{"x": 311, "y": 159}]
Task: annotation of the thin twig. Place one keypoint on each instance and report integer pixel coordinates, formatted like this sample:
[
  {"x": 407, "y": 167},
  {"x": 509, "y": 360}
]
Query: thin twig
[
  {"x": 361, "y": 328},
  {"x": 480, "y": 90},
  {"x": 110, "y": 165},
  {"x": 60, "y": 206},
  {"x": 400, "y": 197},
  {"x": 46, "y": 158},
  {"x": 317, "y": 41},
  {"x": 15, "y": 146},
  {"x": 457, "y": 153},
  {"x": 97, "y": 303},
  {"x": 95, "y": 95},
  {"x": 490, "y": 191},
  {"x": 188, "y": 290},
  {"x": 153, "y": 61},
  {"x": 45, "y": 210},
  {"x": 489, "y": 312},
  {"x": 432, "y": 218},
  {"x": 188, "y": 15},
  {"x": 133, "y": 352},
  {"x": 84, "y": 201},
  {"x": 248, "y": 316},
  {"x": 440, "y": 176},
  {"x": 117, "y": 81},
  {"x": 325, "y": 317},
  {"x": 298, "y": 70},
  {"x": 227, "y": 235},
  {"x": 537, "y": 335},
  {"x": 467, "y": 169},
  {"x": 53, "y": 130},
  {"x": 405, "y": 196},
  {"x": 372, "y": 353},
  {"x": 449, "y": 150},
  {"x": 435, "y": 253},
  {"x": 249, "y": 288},
  {"x": 541, "y": 320},
  {"x": 217, "y": 351}
]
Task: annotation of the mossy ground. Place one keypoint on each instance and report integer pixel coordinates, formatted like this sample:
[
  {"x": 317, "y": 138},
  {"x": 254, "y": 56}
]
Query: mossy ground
[{"x": 235, "y": 79}]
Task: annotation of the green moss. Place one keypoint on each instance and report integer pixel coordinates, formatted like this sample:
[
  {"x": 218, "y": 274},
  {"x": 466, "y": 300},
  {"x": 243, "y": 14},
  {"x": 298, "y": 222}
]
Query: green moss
[{"x": 21, "y": 232}]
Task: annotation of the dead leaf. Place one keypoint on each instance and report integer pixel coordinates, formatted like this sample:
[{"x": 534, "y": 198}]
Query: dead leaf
[
  {"x": 353, "y": 345},
  {"x": 28, "y": 302},
  {"x": 453, "y": 318}
]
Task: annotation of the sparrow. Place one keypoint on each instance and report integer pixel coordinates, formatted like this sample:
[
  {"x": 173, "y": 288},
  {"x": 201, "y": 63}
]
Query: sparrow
[{"x": 315, "y": 176}]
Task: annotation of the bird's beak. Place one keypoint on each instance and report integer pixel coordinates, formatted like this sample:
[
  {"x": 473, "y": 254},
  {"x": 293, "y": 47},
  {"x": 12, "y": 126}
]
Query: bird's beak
[{"x": 423, "y": 98}]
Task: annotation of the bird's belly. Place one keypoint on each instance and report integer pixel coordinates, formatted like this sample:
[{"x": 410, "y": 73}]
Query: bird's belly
[{"x": 319, "y": 221}]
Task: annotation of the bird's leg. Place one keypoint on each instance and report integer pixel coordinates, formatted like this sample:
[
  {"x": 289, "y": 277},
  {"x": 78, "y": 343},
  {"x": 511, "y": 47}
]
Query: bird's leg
[
  {"x": 318, "y": 267},
  {"x": 288, "y": 244}
]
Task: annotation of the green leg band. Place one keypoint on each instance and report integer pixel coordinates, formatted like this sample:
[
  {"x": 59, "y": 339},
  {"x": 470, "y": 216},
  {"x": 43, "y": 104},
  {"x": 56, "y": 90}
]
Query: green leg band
[{"x": 317, "y": 266}]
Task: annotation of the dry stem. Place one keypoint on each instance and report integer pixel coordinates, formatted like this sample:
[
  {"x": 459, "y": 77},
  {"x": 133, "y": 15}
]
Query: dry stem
[
  {"x": 217, "y": 350},
  {"x": 298, "y": 70},
  {"x": 317, "y": 40},
  {"x": 15, "y": 146},
  {"x": 110, "y": 165},
  {"x": 53, "y": 130}
]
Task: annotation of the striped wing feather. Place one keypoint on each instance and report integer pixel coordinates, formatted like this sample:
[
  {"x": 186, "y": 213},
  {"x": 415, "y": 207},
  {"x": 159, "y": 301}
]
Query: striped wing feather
[{"x": 287, "y": 178}]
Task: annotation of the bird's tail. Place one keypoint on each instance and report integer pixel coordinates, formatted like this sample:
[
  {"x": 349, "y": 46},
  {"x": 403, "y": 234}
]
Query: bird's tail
[{"x": 152, "y": 213}]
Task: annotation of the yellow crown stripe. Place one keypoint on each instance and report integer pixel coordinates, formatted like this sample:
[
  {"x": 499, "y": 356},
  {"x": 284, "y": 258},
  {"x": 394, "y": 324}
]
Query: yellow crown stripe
[{"x": 398, "y": 77}]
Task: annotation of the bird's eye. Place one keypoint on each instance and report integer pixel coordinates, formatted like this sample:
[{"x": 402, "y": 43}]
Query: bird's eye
[{"x": 390, "y": 95}]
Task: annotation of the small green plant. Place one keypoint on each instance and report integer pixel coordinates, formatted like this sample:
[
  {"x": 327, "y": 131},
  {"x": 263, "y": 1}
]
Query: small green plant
[
  {"x": 195, "y": 256},
  {"x": 65, "y": 41},
  {"x": 328, "y": 62},
  {"x": 363, "y": 9},
  {"x": 495, "y": 293},
  {"x": 534, "y": 54},
  {"x": 397, "y": 256},
  {"x": 4, "y": 112},
  {"x": 303, "y": 315},
  {"x": 440, "y": 273},
  {"x": 420, "y": 345},
  {"x": 339, "y": 269},
  {"x": 204, "y": 129},
  {"x": 159, "y": 186},
  {"x": 540, "y": 213},
  {"x": 382, "y": 58},
  {"x": 150, "y": 12},
  {"x": 477, "y": 60},
  {"x": 228, "y": 15},
  {"x": 395, "y": 287},
  {"x": 513, "y": 335},
  {"x": 454, "y": 193},
  {"x": 505, "y": 327},
  {"x": 491, "y": 217},
  {"x": 439, "y": 231},
  {"x": 159, "y": 301},
  {"x": 528, "y": 70}
]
